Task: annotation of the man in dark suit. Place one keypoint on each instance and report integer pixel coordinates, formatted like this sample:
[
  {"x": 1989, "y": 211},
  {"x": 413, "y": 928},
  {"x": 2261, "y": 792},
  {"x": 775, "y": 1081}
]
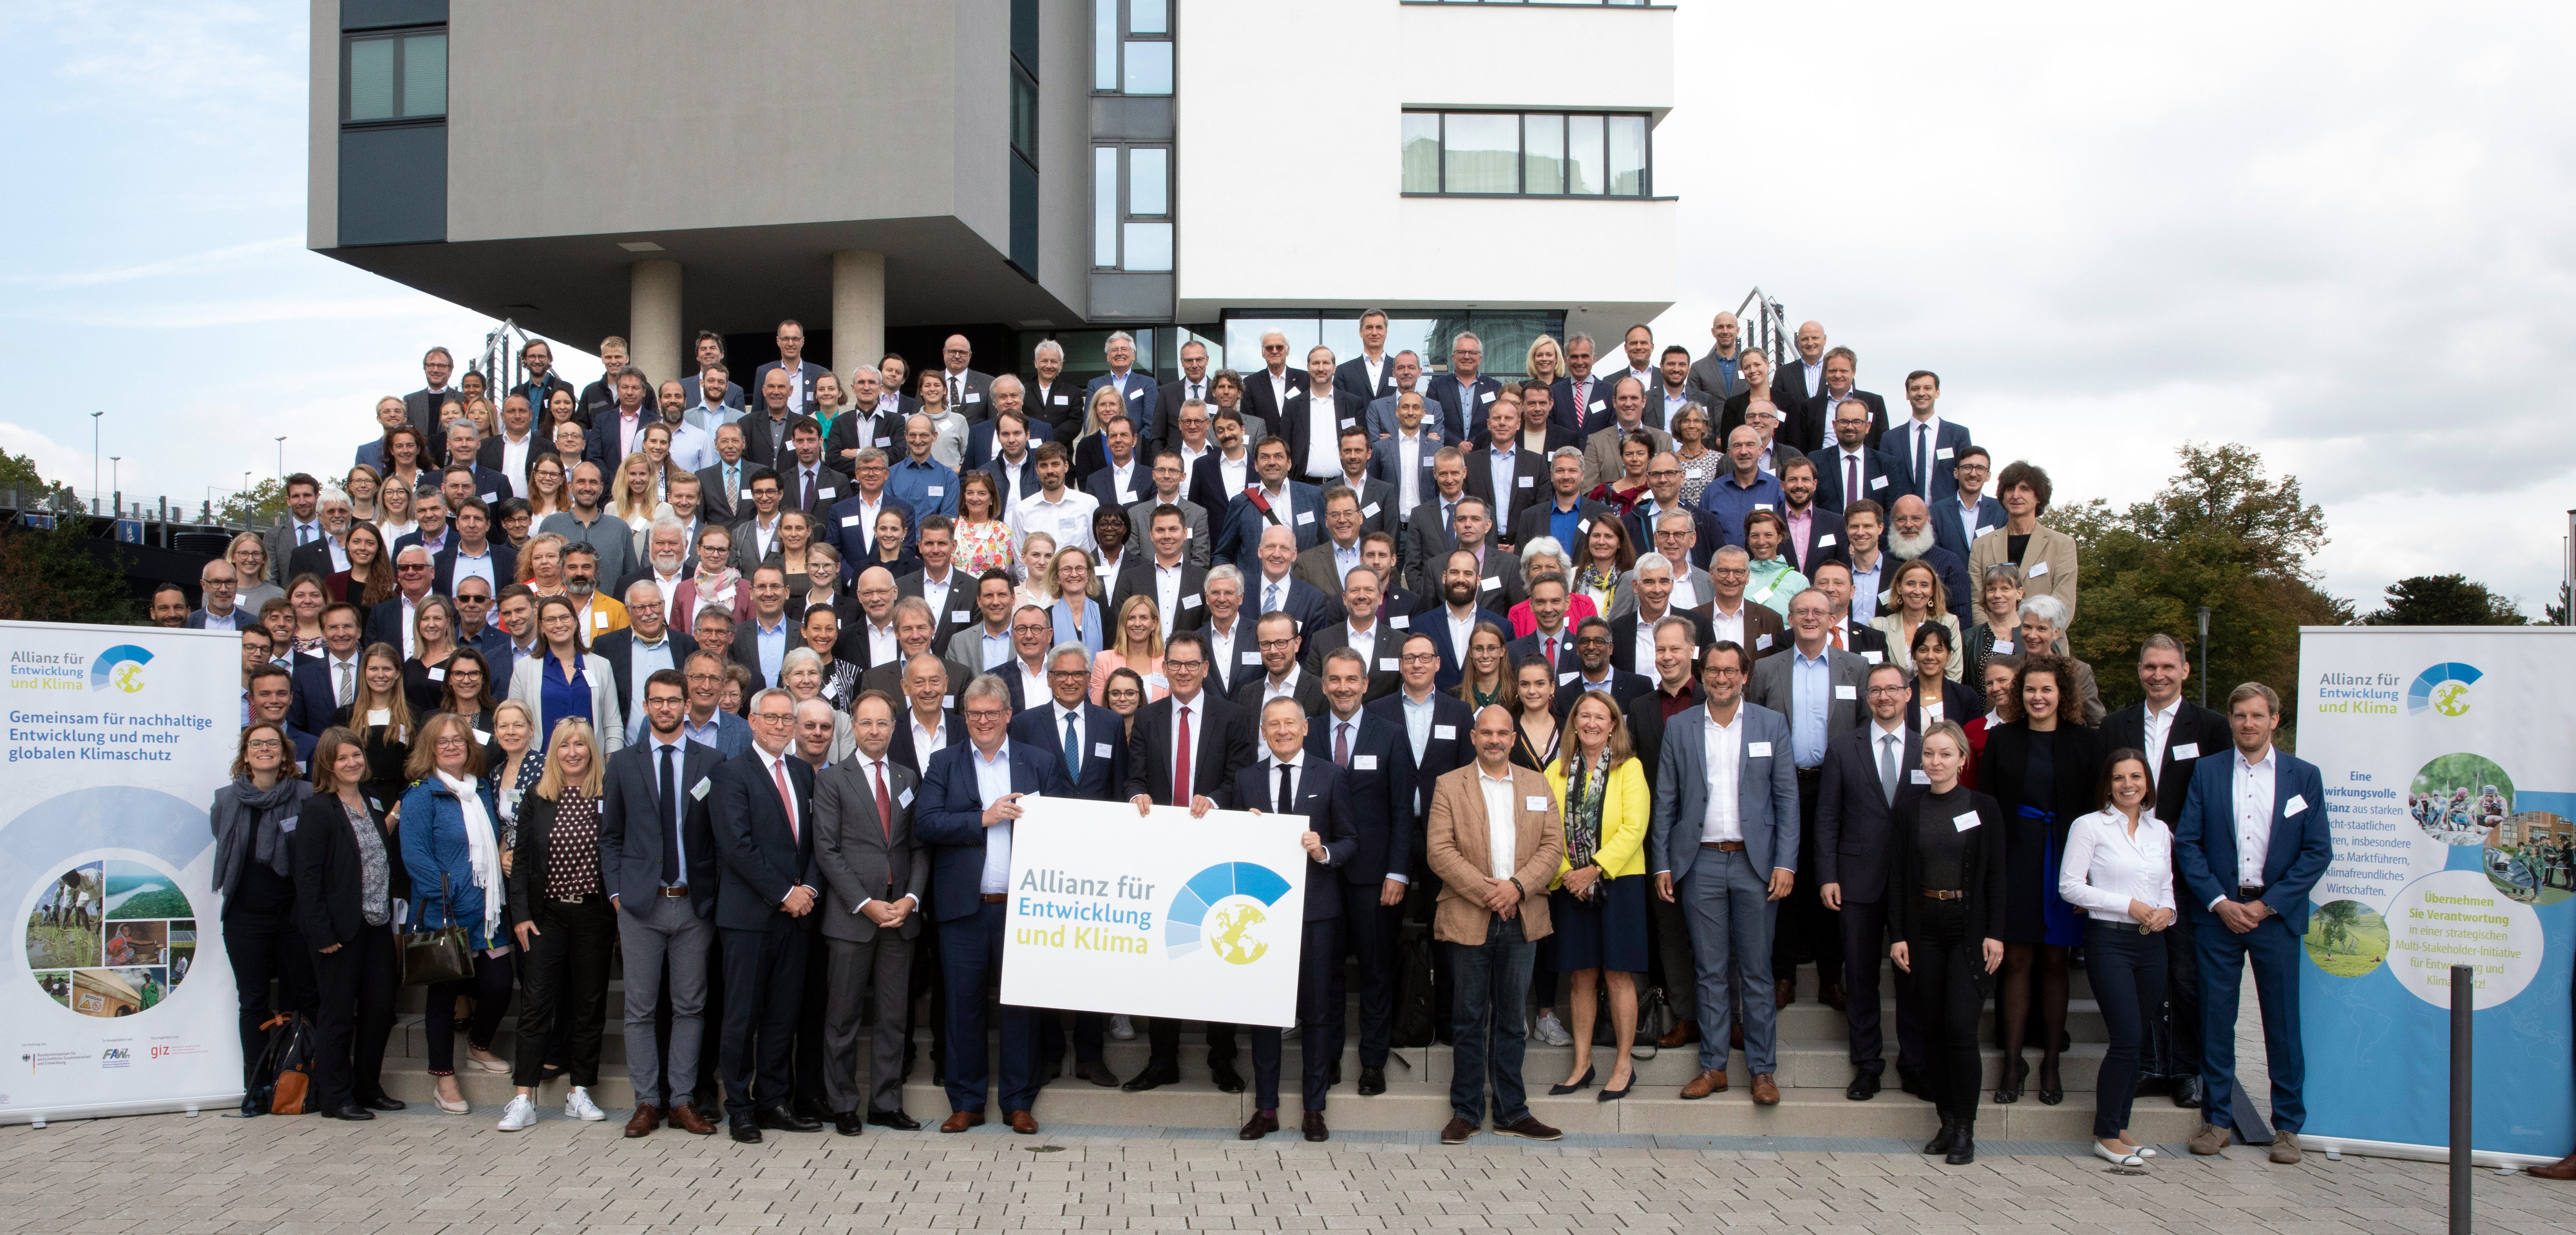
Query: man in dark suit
[
  {"x": 1957, "y": 520},
  {"x": 768, "y": 622},
  {"x": 724, "y": 487},
  {"x": 1376, "y": 761},
  {"x": 1190, "y": 387},
  {"x": 1266, "y": 389},
  {"x": 792, "y": 365},
  {"x": 1164, "y": 572},
  {"x": 931, "y": 723},
  {"x": 876, "y": 874},
  {"x": 2251, "y": 903},
  {"x": 1364, "y": 631},
  {"x": 1322, "y": 566},
  {"x": 1136, "y": 388},
  {"x": 1274, "y": 501},
  {"x": 1451, "y": 625},
  {"x": 1234, "y": 648},
  {"x": 657, "y": 857},
  {"x": 986, "y": 441},
  {"x": 647, "y": 638},
  {"x": 1127, "y": 477},
  {"x": 968, "y": 391},
  {"x": 1272, "y": 584},
  {"x": 422, "y": 405},
  {"x": 1798, "y": 383},
  {"x": 1371, "y": 374},
  {"x": 1815, "y": 529},
  {"x": 1593, "y": 671},
  {"x": 1086, "y": 739},
  {"x": 1292, "y": 781},
  {"x": 1564, "y": 513},
  {"x": 1013, "y": 464},
  {"x": 326, "y": 683},
  {"x": 1511, "y": 479},
  {"x": 1283, "y": 672},
  {"x": 1632, "y": 632},
  {"x": 2175, "y": 735},
  {"x": 762, "y": 808},
  {"x": 1313, "y": 429},
  {"x": 1807, "y": 930},
  {"x": 1863, "y": 770},
  {"x": 765, "y": 430},
  {"x": 1909, "y": 536},
  {"x": 1184, "y": 751},
  {"x": 390, "y": 621},
  {"x": 1925, "y": 448},
  {"x": 1840, "y": 365},
  {"x": 968, "y": 800},
  {"x": 1461, "y": 396},
  {"x": 1852, "y": 460}
]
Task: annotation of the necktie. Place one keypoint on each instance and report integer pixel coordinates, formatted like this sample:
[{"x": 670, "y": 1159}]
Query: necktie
[
  {"x": 733, "y": 482},
  {"x": 1851, "y": 479},
  {"x": 303, "y": 535},
  {"x": 885, "y": 802},
  {"x": 1836, "y": 631},
  {"x": 1181, "y": 756},
  {"x": 1284, "y": 801},
  {"x": 805, "y": 495},
  {"x": 956, "y": 390},
  {"x": 1270, "y": 599},
  {"x": 1887, "y": 767},
  {"x": 1072, "y": 751},
  {"x": 1551, "y": 653},
  {"x": 670, "y": 817},
  {"x": 1922, "y": 474},
  {"x": 348, "y": 684},
  {"x": 1342, "y": 744},
  {"x": 786, "y": 798}
]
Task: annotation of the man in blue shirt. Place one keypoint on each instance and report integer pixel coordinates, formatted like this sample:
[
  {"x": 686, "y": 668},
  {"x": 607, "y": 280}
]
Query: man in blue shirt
[
  {"x": 1744, "y": 489},
  {"x": 1818, "y": 688},
  {"x": 924, "y": 483}
]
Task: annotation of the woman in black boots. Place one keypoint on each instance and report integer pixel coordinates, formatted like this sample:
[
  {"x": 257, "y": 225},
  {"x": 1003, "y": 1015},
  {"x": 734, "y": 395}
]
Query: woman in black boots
[{"x": 1949, "y": 892}]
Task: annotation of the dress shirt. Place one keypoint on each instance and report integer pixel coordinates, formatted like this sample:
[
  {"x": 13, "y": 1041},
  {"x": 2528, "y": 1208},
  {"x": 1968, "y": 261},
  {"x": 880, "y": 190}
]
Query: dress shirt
[
  {"x": 1067, "y": 518},
  {"x": 1815, "y": 375},
  {"x": 630, "y": 428},
  {"x": 993, "y": 783},
  {"x": 877, "y": 771},
  {"x": 705, "y": 734},
  {"x": 1186, "y": 755},
  {"x": 2159, "y": 730},
  {"x": 1685, "y": 596},
  {"x": 2106, "y": 867},
  {"x": 1728, "y": 627},
  {"x": 707, "y": 419},
  {"x": 934, "y": 593},
  {"x": 1278, "y": 387},
  {"x": 1033, "y": 680},
  {"x": 473, "y": 566},
  {"x": 1221, "y": 645},
  {"x": 1552, "y": 644},
  {"x": 1271, "y": 594},
  {"x": 774, "y": 766},
  {"x": 1283, "y": 504},
  {"x": 1460, "y": 630},
  {"x": 1278, "y": 688},
  {"x": 1191, "y": 392},
  {"x": 410, "y": 637},
  {"x": 1645, "y": 651},
  {"x": 2253, "y": 781},
  {"x": 1920, "y": 443},
  {"x": 1233, "y": 474},
  {"x": 1408, "y": 469},
  {"x": 1123, "y": 478},
  {"x": 1279, "y": 803},
  {"x": 927, "y": 740},
  {"x": 1722, "y": 750},
  {"x": 1502, "y": 819},
  {"x": 1323, "y": 434},
  {"x": 882, "y": 648},
  {"x": 1375, "y": 368},
  {"x": 1673, "y": 405},
  {"x": 763, "y": 537},
  {"x": 866, "y": 520},
  {"x": 1852, "y": 468},
  {"x": 1167, "y": 592},
  {"x": 305, "y": 531},
  {"x": 1964, "y": 509},
  {"x": 926, "y": 486},
  {"x": 1810, "y": 701},
  {"x": 642, "y": 661},
  {"x": 1801, "y": 521},
  {"x": 997, "y": 647},
  {"x": 770, "y": 644},
  {"x": 1505, "y": 464},
  {"x": 1344, "y": 558},
  {"x": 1865, "y": 589}
]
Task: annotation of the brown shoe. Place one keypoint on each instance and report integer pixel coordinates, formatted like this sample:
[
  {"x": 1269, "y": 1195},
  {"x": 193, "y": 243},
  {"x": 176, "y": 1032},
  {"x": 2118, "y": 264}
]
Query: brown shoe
[
  {"x": 2285, "y": 1148},
  {"x": 1765, "y": 1091},
  {"x": 686, "y": 1118},
  {"x": 1787, "y": 990},
  {"x": 1315, "y": 1129},
  {"x": 2208, "y": 1140},
  {"x": 1528, "y": 1129},
  {"x": 1022, "y": 1122},
  {"x": 647, "y": 1118},
  {"x": 1457, "y": 1132},
  {"x": 1711, "y": 1081},
  {"x": 2564, "y": 1168},
  {"x": 1831, "y": 995},
  {"x": 962, "y": 1120},
  {"x": 1257, "y": 1127},
  {"x": 1682, "y": 1034}
]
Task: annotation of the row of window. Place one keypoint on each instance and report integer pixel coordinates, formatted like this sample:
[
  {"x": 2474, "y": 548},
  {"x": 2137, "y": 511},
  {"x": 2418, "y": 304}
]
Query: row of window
[{"x": 1538, "y": 154}]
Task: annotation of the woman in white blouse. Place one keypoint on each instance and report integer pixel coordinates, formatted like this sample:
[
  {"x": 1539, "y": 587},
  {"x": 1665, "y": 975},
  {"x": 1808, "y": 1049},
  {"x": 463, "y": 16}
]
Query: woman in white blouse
[{"x": 2119, "y": 870}]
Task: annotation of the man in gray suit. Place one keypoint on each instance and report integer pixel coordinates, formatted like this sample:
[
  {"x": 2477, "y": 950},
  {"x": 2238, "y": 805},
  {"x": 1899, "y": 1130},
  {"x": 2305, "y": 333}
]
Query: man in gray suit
[
  {"x": 1818, "y": 687},
  {"x": 875, "y": 871},
  {"x": 1171, "y": 483},
  {"x": 1723, "y": 843},
  {"x": 301, "y": 527},
  {"x": 1864, "y": 769},
  {"x": 657, "y": 857}
]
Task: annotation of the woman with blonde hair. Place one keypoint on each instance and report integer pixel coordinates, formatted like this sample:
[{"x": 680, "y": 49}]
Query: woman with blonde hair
[
  {"x": 637, "y": 497},
  {"x": 480, "y": 412},
  {"x": 397, "y": 518},
  {"x": 1918, "y": 599},
  {"x": 566, "y": 679},
  {"x": 1037, "y": 572},
  {"x": 249, "y": 556},
  {"x": 1076, "y": 611},
  {"x": 1091, "y": 446},
  {"x": 433, "y": 631},
  {"x": 541, "y": 564},
  {"x": 983, "y": 530},
  {"x": 1694, "y": 445},
  {"x": 547, "y": 494},
  {"x": 1598, "y": 899},
  {"x": 1138, "y": 648},
  {"x": 361, "y": 485},
  {"x": 563, "y": 923},
  {"x": 1545, "y": 361},
  {"x": 451, "y": 848}
]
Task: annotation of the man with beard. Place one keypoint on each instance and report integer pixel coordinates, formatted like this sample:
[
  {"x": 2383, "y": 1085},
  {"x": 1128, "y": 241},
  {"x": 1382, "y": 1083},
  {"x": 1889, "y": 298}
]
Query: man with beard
[
  {"x": 598, "y": 614},
  {"x": 587, "y": 523},
  {"x": 1458, "y": 616},
  {"x": 1593, "y": 670},
  {"x": 666, "y": 560},
  {"x": 1910, "y": 537},
  {"x": 1814, "y": 533}
]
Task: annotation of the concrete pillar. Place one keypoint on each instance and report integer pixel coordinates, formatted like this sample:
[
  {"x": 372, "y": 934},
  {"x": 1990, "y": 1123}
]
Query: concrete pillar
[
  {"x": 858, "y": 308},
  {"x": 653, "y": 319}
]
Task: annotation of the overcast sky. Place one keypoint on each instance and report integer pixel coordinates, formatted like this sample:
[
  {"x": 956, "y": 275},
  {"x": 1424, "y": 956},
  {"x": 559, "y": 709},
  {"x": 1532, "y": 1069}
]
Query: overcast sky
[{"x": 2338, "y": 235}]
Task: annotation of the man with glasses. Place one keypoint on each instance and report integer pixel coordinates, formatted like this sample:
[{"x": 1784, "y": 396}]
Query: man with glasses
[
  {"x": 1460, "y": 396},
  {"x": 328, "y": 554},
  {"x": 1282, "y": 677},
  {"x": 800, "y": 373},
  {"x": 1024, "y": 679},
  {"x": 705, "y": 723},
  {"x": 1864, "y": 770},
  {"x": 1817, "y": 686},
  {"x": 1758, "y": 629},
  {"x": 1376, "y": 760},
  {"x": 390, "y": 620},
  {"x": 1088, "y": 740},
  {"x": 1593, "y": 671},
  {"x": 969, "y": 798},
  {"x": 1960, "y": 517},
  {"x": 1848, "y": 469},
  {"x": 658, "y": 861},
  {"x": 640, "y": 651},
  {"x": 219, "y": 584},
  {"x": 1663, "y": 499},
  {"x": 761, "y": 807}
]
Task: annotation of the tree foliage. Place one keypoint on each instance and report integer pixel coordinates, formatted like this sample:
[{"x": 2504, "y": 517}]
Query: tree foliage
[
  {"x": 258, "y": 506},
  {"x": 53, "y": 574},
  {"x": 2445, "y": 600}
]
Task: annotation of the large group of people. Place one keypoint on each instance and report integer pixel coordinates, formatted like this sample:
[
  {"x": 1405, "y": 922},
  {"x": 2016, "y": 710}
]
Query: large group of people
[{"x": 1672, "y": 679}]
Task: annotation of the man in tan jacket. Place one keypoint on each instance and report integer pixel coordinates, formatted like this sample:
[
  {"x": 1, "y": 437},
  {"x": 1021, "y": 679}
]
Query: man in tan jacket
[{"x": 1494, "y": 839}]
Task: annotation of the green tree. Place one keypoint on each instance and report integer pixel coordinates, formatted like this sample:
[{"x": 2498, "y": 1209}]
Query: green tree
[
  {"x": 2223, "y": 533},
  {"x": 18, "y": 474},
  {"x": 53, "y": 574},
  {"x": 2555, "y": 612},
  {"x": 257, "y": 506},
  {"x": 2445, "y": 600}
]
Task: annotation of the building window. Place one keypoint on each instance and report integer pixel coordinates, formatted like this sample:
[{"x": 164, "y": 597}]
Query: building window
[
  {"x": 1131, "y": 207},
  {"x": 1024, "y": 114},
  {"x": 1131, "y": 47},
  {"x": 1526, "y": 154},
  {"x": 391, "y": 77},
  {"x": 1426, "y": 332}
]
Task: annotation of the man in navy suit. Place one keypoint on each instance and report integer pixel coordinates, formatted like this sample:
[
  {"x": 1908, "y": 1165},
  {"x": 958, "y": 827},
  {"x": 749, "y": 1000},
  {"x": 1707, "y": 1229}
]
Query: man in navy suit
[
  {"x": 1184, "y": 751},
  {"x": 761, "y": 805},
  {"x": 1850, "y": 460},
  {"x": 1313, "y": 418},
  {"x": 1454, "y": 621},
  {"x": 1376, "y": 762},
  {"x": 657, "y": 856},
  {"x": 1273, "y": 586},
  {"x": 968, "y": 799},
  {"x": 1086, "y": 739},
  {"x": 931, "y": 724},
  {"x": 800, "y": 372},
  {"x": 1461, "y": 395},
  {"x": 1354, "y": 375},
  {"x": 1967, "y": 504},
  {"x": 981, "y": 444},
  {"x": 1924, "y": 450},
  {"x": 1271, "y": 500},
  {"x": 323, "y": 683},
  {"x": 1136, "y": 387},
  {"x": 1864, "y": 768},
  {"x": 2252, "y": 842},
  {"x": 1293, "y": 781}
]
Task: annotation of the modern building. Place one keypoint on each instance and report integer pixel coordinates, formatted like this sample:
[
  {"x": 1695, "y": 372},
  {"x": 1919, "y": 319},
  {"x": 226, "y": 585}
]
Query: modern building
[{"x": 888, "y": 171}]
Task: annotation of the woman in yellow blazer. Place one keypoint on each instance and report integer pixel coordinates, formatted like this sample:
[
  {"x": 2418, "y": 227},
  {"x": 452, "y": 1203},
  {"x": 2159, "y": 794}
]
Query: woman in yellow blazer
[{"x": 1598, "y": 898}]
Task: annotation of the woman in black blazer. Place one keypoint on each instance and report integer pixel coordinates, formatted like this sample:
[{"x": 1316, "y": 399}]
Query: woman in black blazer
[
  {"x": 254, "y": 820},
  {"x": 1947, "y": 881},
  {"x": 1955, "y": 700},
  {"x": 2043, "y": 770},
  {"x": 344, "y": 863}
]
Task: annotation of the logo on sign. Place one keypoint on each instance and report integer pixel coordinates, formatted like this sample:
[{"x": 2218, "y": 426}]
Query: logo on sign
[
  {"x": 1220, "y": 909},
  {"x": 2444, "y": 688},
  {"x": 120, "y": 666}
]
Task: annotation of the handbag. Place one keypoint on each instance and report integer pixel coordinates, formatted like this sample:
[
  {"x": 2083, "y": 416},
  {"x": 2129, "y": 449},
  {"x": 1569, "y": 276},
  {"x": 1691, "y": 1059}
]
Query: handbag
[
  {"x": 1415, "y": 1021},
  {"x": 442, "y": 955},
  {"x": 285, "y": 1074}
]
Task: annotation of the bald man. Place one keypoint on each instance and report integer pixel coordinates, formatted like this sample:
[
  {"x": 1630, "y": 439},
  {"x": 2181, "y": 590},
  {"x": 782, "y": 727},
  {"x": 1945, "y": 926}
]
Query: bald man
[{"x": 1712, "y": 379}]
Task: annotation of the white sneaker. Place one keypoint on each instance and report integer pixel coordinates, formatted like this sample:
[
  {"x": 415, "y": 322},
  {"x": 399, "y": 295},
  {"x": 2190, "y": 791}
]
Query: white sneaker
[
  {"x": 1121, "y": 1028},
  {"x": 521, "y": 1113},
  {"x": 1551, "y": 1031},
  {"x": 577, "y": 1105}
]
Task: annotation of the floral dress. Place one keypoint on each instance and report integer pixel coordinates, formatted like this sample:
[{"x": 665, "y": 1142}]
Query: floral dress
[{"x": 984, "y": 546}]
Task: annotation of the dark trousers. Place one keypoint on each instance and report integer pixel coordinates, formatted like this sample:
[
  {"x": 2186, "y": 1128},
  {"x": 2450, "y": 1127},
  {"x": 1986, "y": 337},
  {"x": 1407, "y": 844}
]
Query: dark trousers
[
  {"x": 1085, "y": 1033},
  {"x": 356, "y": 1002},
  {"x": 1807, "y": 931},
  {"x": 929, "y": 977},
  {"x": 264, "y": 948},
  {"x": 807, "y": 1060},
  {"x": 1319, "y": 1021},
  {"x": 490, "y": 990},
  {"x": 764, "y": 979},
  {"x": 2128, "y": 971},
  {"x": 564, "y": 985},
  {"x": 1368, "y": 933},
  {"x": 1947, "y": 962},
  {"x": 2179, "y": 1025},
  {"x": 1421, "y": 901},
  {"x": 1492, "y": 1037},
  {"x": 2275, "y": 954},
  {"x": 1864, "y": 930},
  {"x": 971, "y": 952}
]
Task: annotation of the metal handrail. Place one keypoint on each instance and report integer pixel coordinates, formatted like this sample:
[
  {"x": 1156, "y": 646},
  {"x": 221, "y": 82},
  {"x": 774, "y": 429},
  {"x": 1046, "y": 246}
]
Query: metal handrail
[{"x": 1768, "y": 329}]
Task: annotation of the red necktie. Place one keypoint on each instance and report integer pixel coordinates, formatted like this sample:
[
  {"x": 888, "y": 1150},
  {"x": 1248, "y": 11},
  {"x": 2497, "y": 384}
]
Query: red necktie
[
  {"x": 1837, "y": 633},
  {"x": 1181, "y": 764},
  {"x": 1342, "y": 743},
  {"x": 786, "y": 799},
  {"x": 1551, "y": 653},
  {"x": 885, "y": 804}
]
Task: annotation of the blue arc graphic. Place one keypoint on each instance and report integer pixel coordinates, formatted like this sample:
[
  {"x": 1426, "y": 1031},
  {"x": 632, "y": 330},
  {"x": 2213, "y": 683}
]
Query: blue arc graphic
[
  {"x": 102, "y": 669},
  {"x": 1205, "y": 889},
  {"x": 2420, "y": 695}
]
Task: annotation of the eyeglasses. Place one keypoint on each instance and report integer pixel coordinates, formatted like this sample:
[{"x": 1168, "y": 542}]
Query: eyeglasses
[
  {"x": 773, "y": 718},
  {"x": 987, "y": 713},
  {"x": 1069, "y": 673},
  {"x": 1268, "y": 645},
  {"x": 451, "y": 742},
  {"x": 1169, "y": 664},
  {"x": 1592, "y": 640},
  {"x": 265, "y": 744},
  {"x": 410, "y": 568},
  {"x": 1420, "y": 658}
]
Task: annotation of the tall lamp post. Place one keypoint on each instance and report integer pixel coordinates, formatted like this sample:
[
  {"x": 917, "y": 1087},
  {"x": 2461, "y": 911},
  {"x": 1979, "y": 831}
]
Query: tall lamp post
[
  {"x": 93, "y": 458},
  {"x": 281, "y": 459},
  {"x": 2204, "y": 656},
  {"x": 116, "y": 487}
]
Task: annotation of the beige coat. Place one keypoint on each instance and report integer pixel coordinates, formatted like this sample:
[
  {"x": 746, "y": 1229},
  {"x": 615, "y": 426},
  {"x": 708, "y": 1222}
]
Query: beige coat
[
  {"x": 1458, "y": 853},
  {"x": 2047, "y": 545}
]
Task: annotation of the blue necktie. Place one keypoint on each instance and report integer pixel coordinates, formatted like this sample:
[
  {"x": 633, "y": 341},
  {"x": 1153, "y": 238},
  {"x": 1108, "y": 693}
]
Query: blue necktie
[
  {"x": 1922, "y": 473},
  {"x": 670, "y": 819},
  {"x": 1072, "y": 750}
]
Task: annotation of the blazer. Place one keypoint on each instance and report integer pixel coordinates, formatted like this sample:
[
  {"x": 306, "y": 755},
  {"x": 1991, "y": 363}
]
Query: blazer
[
  {"x": 1530, "y": 486},
  {"x": 853, "y": 431},
  {"x": 1815, "y": 427},
  {"x": 1105, "y": 749},
  {"x": 329, "y": 880},
  {"x": 630, "y": 827},
  {"x": 1140, "y": 395},
  {"x": 505, "y": 567},
  {"x": 1529, "y": 647},
  {"x": 948, "y": 817},
  {"x": 1315, "y": 568},
  {"x": 1378, "y": 512},
  {"x": 2302, "y": 843},
  {"x": 1707, "y": 534},
  {"x": 1880, "y": 480},
  {"x": 1102, "y": 485},
  {"x": 1601, "y": 461},
  {"x": 1957, "y": 700},
  {"x": 832, "y": 487},
  {"x": 1624, "y": 632},
  {"x": 1459, "y": 408},
  {"x": 1136, "y": 578},
  {"x": 1239, "y": 539},
  {"x": 1168, "y": 399},
  {"x": 1623, "y": 687},
  {"x": 1624, "y": 808},
  {"x": 1225, "y": 747},
  {"x": 1947, "y": 441},
  {"x": 855, "y": 542},
  {"x": 1296, "y": 422},
  {"x": 1194, "y": 522},
  {"x": 1259, "y": 400},
  {"x": 1308, "y": 692},
  {"x": 1538, "y": 518},
  {"x": 1890, "y": 628},
  {"x": 1379, "y": 654},
  {"x": 1822, "y": 543},
  {"x": 864, "y": 858},
  {"x": 617, "y": 647},
  {"x": 763, "y": 444},
  {"x": 316, "y": 695},
  {"x": 973, "y": 394},
  {"x": 607, "y": 720},
  {"x": 759, "y": 857},
  {"x": 1322, "y": 795},
  {"x": 1771, "y": 689},
  {"x": 1854, "y": 816},
  {"x": 423, "y": 408},
  {"x": 952, "y": 731},
  {"x": 1427, "y": 541},
  {"x": 1946, "y": 531},
  {"x": 1981, "y": 876},
  {"x": 1352, "y": 375},
  {"x": 719, "y": 504},
  {"x": 1224, "y": 676},
  {"x": 2048, "y": 566},
  {"x": 1053, "y": 406},
  {"x": 384, "y": 624},
  {"x": 433, "y": 844},
  {"x": 1766, "y": 792},
  {"x": 1457, "y": 838},
  {"x": 2195, "y": 728},
  {"x": 807, "y": 371},
  {"x": 979, "y": 441},
  {"x": 1435, "y": 624},
  {"x": 1712, "y": 377},
  {"x": 1584, "y": 415},
  {"x": 1379, "y": 784}
]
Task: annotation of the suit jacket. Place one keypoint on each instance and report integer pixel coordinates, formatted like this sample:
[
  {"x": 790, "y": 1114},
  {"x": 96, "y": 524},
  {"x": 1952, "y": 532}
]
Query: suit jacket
[
  {"x": 1712, "y": 380},
  {"x": 961, "y": 599},
  {"x": 1378, "y": 511},
  {"x": 1315, "y": 567},
  {"x": 1136, "y": 578},
  {"x": 1259, "y": 400},
  {"x": 1194, "y": 519},
  {"x": 1646, "y": 720},
  {"x": 1352, "y": 375},
  {"x": 1386, "y": 458},
  {"x": 806, "y": 369},
  {"x": 2048, "y": 564},
  {"x": 505, "y": 567},
  {"x": 1807, "y": 425},
  {"x": 1530, "y": 646},
  {"x": 1941, "y": 457},
  {"x": 1379, "y": 653},
  {"x": 831, "y": 488},
  {"x": 1104, "y": 754},
  {"x": 385, "y": 624},
  {"x": 1822, "y": 543},
  {"x": 857, "y": 541},
  {"x": 2196, "y": 728},
  {"x": 763, "y": 443},
  {"x": 720, "y": 504},
  {"x": 1601, "y": 461},
  {"x": 760, "y": 857},
  {"x": 888, "y": 677},
  {"x": 971, "y": 395},
  {"x": 1139, "y": 392},
  {"x": 979, "y": 441},
  {"x": 1379, "y": 779},
  {"x": 1207, "y": 486},
  {"x": 952, "y": 731},
  {"x": 1708, "y": 532},
  {"x": 1624, "y": 632},
  {"x": 1319, "y": 791},
  {"x": 949, "y": 817},
  {"x": 746, "y": 645},
  {"x": 1458, "y": 844},
  {"x": 1584, "y": 415},
  {"x": 1240, "y": 538},
  {"x": 1981, "y": 874},
  {"x": 1854, "y": 815},
  {"x": 863, "y": 857},
  {"x": 1459, "y": 409},
  {"x": 1308, "y": 692},
  {"x": 1530, "y": 487},
  {"x": 2302, "y": 843},
  {"x": 1168, "y": 399},
  {"x": 1222, "y": 735},
  {"x": 630, "y": 828},
  {"x": 1771, "y": 689},
  {"x": 1228, "y": 672},
  {"x": 1538, "y": 517},
  {"x": 1880, "y": 480},
  {"x": 1434, "y": 623},
  {"x": 1867, "y": 642},
  {"x": 329, "y": 880},
  {"x": 1297, "y": 424},
  {"x": 1624, "y": 687},
  {"x": 1440, "y": 754},
  {"x": 1102, "y": 485},
  {"x": 1766, "y": 792},
  {"x": 855, "y": 430},
  {"x": 1946, "y": 530},
  {"x": 617, "y": 647},
  {"x": 1426, "y": 543},
  {"x": 1059, "y": 406}
]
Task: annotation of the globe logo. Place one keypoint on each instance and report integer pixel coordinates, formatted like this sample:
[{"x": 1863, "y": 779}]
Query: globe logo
[
  {"x": 2442, "y": 689},
  {"x": 120, "y": 666},
  {"x": 1231, "y": 943},
  {"x": 1218, "y": 909},
  {"x": 128, "y": 677},
  {"x": 2451, "y": 699}
]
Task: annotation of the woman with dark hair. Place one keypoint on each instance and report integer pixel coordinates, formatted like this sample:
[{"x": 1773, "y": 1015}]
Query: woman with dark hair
[
  {"x": 369, "y": 580},
  {"x": 2042, "y": 769},
  {"x": 1936, "y": 696},
  {"x": 983, "y": 531},
  {"x": 893, "y": 550},
  {"x": 1598, "y": 899},
  {"x": 254, "y": 821},
  {"x": 344, "y": 900},
  {"x": 403, "y": 454},
  {"x": 511, "y": 520},
  {"x": 566, "y": 678},
  {"x": 2045, "y": 555},
  {"x": 2119, "y": 870},
  {"x": 1124, "y": 693},
  {"x": 381, "y": 712},
  {"x": 1485, "y": 676},
  {"x": 1532, "y": 700},
  {"x": 1946, "y": 882},
  {"x": 564, "y": 924},
  {"x": 839, "y": 684},
  {"x": 547, "y": 482},
  {"x": 1623, "y": 490},
  {"x": 1109, "y": 532},
  {"x": 467, "y": 690},
  {"x": 451, "y": 845}
]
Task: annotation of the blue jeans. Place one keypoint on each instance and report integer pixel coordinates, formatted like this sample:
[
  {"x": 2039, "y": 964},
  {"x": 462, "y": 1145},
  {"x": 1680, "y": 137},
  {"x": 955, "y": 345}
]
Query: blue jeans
[
  {"x": 2128, "y": 972},
  {"x": 1493, "y": 991}
]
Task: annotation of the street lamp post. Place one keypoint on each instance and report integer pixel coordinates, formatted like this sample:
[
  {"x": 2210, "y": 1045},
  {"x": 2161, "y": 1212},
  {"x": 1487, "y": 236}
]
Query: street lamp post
[
  {"x": 281, "y": 460},
  {"x": 2204, "y": 656},
  {"x": 93, "y": 459}
]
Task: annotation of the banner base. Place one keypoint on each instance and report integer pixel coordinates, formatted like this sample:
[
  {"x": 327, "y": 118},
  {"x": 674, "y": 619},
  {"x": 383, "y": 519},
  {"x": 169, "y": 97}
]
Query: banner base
[
  {"x": 190, "y": 1106},
  {"x": 2419, "y": 1153}
]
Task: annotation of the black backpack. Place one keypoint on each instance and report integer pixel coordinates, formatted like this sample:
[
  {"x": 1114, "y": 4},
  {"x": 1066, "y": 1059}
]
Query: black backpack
[
  {"x": 1416, "y": 1007},
  {"x": 284, "y": 1082}
]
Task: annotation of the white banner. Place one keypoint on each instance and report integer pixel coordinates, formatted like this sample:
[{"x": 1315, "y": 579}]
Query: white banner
[
  {"x": 118, "y": 998},
  {"x": 1165, "y": 915}
]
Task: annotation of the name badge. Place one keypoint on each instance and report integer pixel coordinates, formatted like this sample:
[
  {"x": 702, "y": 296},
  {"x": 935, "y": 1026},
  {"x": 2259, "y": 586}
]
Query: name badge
[
  {"x": 491, "y": 497},
  {"x": 1536, "y": 801},
  {"x": 1761, "y": 643},
  {"x": 1757, "y": 750},
  {"x": 1363, "y": 763},
  {"x": 698, "y": 791},
  {"x": 1347, "y": 422},
  {"x": 1582, "y": 527},
  {"x": 2293, "y": 806},
  {"x": 1061, "y": 400},
  {"x": 1762, "y": 505},
  {"x": 904, "y": 798},
  {"x": 1846, "y": 692},
  {"x": 599, "y": 621},
  {"x": 2188, "y": 750},
  {"x": 1401, "y": 621},
  {"x": 1369, "y": 511},
  {"x": 824, "y": 494},
  {"x": 1825, "y": 540},
  {"x": 1100, "y": 750},
  {"x": 1568, "y": 676},
  {"x": 1877, "y": 483},
  {"x": 1487, "y": 397},
  {"x": 1189, "y": 602},
  {"x": 438, "y": 675},
  {"x": 938, "y": 490},
  {"x": 1599, "y": 404},
  {"x": 974, "y": 396},
  {"x": 1491, "y": 583},
  {"x": 1525, "y": 481},
  {"x": 1446, "y": 733},
  {"x": 947, "y": 702},
  {"x": 2003, "y": 647},
  {"x": 2038, "y": 570},
  {"x": 1252, "y": 658},
  {"x": 1921, "y": 777},
  {"x": 849, "y": 520},
  {"x": 1966, "y": 821},
  {"x": 746, "y": 495},
  {"x": 486, "y": 739}
]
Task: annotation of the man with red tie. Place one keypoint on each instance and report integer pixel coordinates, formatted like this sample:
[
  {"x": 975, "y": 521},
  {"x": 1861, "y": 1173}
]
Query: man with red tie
[{"x": 761, "y": 806}]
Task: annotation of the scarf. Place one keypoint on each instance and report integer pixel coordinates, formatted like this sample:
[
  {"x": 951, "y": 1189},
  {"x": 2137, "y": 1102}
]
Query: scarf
[
  {"x": 482, "y": 850},
  {"x": 272, "y": 813},
  {"x": 1583, "y": 789}
]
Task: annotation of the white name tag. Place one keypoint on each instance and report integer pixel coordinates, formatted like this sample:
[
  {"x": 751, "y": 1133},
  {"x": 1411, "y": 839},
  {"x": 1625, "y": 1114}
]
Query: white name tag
[
  {"x": 1761, "y": 642},
  {"x": 2038, "y": 570},
  {"x": 1487, "y": 397},
  {"x": 1757, "y": 750},
  {"x": 849, "y": 520},
  {"x": 974, "y": 396},
  {"x": 1252, "y": 658},
  {"x": 947, "y": 702},
  {"x": 1871, "y": 657},
  {"x": 1446, "y": 733},
  {"x": 698, "y": 791},
  {"x": 1491, "y": 584},
  {"x": 938, "y": 490},
  {"x": 1347, "y": 422},
  {"x": 959, "y": 616},
  {"x": 904, "y": 798},
  {"x": 1525, "y": 481},
  {"x": 491, "y": 497},
  {"x": 1846, "y": 692},
  {"x": 438, "y": 674},
  {"x": 1305, "y": 517},
  {"x": 1535, "y": 802},
  {"x": 1568, "y": 676},
  {"x": 1877, "y": 483},
  {"x": 1363, "y": 763},
  {"x": 1061, "y": 400},
  {"x": 1598, "y": 404},
  {"x": 2003, "y": 647},
  {"x": 1825, "y": 540},
  {"x": 824, "y": 494},
  {"x": 1189, "y": 602},
  {"x": 1369, "y": 511},
  {"x": 599, "y": 621},
  {"x": 1943, "y": 453},
  {"x": 2188, "y": 750},
  {"x": 884, "y": 441},
  {"x": 2293, "y": 806},
  {"x": 1966, "y": 821},
  {"x": 1100, "y": 750},
  {"x": 746, "y": 495},
  {"x": 1388, "y": 664},
  {"x": 484, "y": 738},
  {"x": 1582, "y": 527},
  {"x": 1762, "y": 505},
  {"x": 1401, "y": 621},
  {"x": 1921, "y": 778}
]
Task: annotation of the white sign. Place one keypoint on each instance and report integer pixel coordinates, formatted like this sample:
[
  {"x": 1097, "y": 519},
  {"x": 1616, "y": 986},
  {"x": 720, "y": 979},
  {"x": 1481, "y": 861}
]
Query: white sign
[{"x": 1160, "y": 915}]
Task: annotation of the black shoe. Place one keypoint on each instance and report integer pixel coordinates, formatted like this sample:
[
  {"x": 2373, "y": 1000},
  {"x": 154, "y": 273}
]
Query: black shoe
[
  {"x": 250, "y": 1107},
  {"x": 2186, "y": 1092},
  {"x": 1153, "y": 1076},
  {"x": 1372, "y": 1081},
  {"x": 1582, "y": 1082},
  {"x": 846, "y": 1123},
  {"x": 1098, "y": 1073},
  {"x": 1945, "y": 1138},
  {"x": 1910, "y": 1080},
  {"x": 384, "y": 1102},
  {"x": 2052, "y": 1083},
  {"x": 782, "y": 1119},
  {"x": 896, "y": 1120},
  {"x": 1227, "y": 1079},
  {"x": 810, "y": 1109},
  {"x": 1965, "y": 1150},
  {"x": 1863, "y": 1087},
  {"x": 352, "y": 1111},
  {"x": 2015, "y": 1072},
  {"x": 748, "y": 1134}
]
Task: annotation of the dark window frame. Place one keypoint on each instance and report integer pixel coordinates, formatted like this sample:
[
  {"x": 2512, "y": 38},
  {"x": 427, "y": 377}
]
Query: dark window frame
[
  {"x": 1520, "y": 162},
  {"x": 396, "y": 35}
]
